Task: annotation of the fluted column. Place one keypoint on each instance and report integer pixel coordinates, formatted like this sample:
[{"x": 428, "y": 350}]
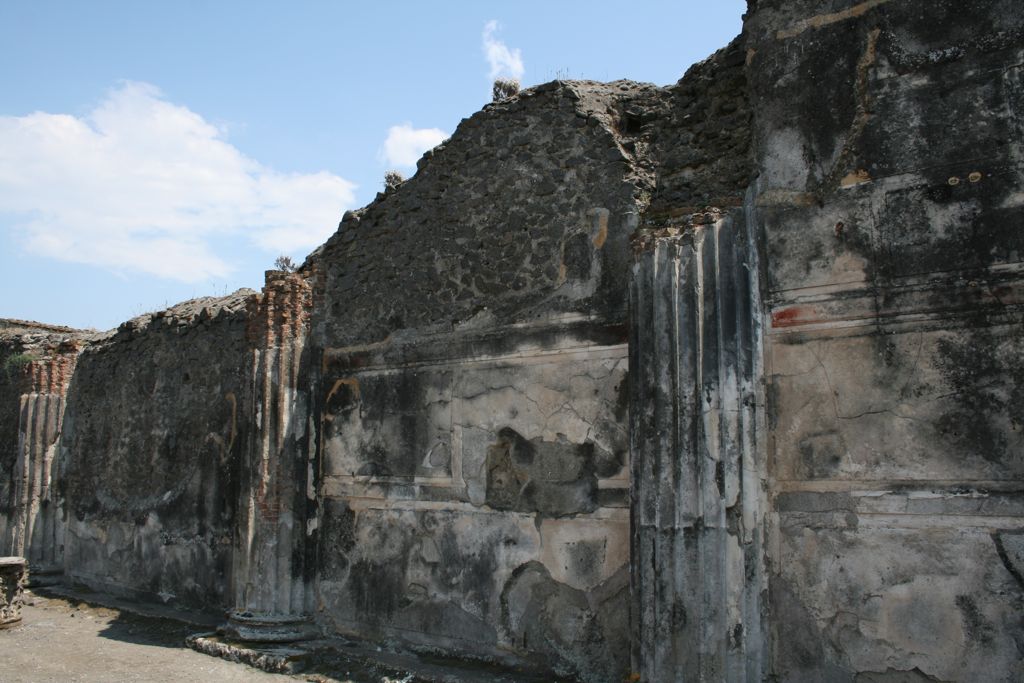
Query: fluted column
[
  {"x": 697, "y": 569},
  {"x": 269, "y": 588},
  {"x": 37, "y": 529}
]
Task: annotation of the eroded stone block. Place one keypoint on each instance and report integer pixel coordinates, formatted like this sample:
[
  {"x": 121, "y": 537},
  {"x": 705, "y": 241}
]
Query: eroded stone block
[{"x": 13, "y": 577}]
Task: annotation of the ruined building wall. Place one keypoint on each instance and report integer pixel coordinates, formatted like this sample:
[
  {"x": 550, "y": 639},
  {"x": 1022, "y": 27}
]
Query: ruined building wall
[
  {"x": 150, "y": 455},
  {"x": 876, "y": 534},
  {"x": 694, "y": 137},
  {"x": 472, "y": 415},
  {"x": 888, "y": 138},
  {"x": 461, "y": 367},
  {"x": 470, "y": 402},
  {"x": 792, "y": 452},
  {"x": 524, "y": 214}
]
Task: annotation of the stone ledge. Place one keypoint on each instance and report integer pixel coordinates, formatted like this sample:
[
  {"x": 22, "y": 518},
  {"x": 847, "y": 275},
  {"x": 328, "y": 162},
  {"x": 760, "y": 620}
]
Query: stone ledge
[
  {"x": 271, "y": 658},
  {"x": 336, "y": 658}
]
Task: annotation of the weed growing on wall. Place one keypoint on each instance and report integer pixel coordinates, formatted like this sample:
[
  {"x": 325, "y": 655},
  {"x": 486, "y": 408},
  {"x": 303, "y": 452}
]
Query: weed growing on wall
[
  {"x": 505, "y": 88},
  {"x": 285, "y": 263},
  {"x": 15, "y": 364},
  {"x": 392, "y": 179}
]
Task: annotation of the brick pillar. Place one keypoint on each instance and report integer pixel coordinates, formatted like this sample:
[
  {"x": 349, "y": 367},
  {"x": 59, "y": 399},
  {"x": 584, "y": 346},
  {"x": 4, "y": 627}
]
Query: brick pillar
[
  {"x": 270, "y": 597},
  {"x": 696, "y": 500}
]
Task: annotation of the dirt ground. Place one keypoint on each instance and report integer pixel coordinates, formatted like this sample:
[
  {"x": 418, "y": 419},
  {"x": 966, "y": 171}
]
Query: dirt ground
[
  {"x": 66, "y": 640},
  {"x": 63, "y": 638}
]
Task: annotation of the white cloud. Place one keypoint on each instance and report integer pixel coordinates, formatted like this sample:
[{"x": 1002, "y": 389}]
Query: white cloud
[
  {"x": 141, "y": 184},
  {"x": 405, "y": 144},
  {"x": 503, "y": 61}
]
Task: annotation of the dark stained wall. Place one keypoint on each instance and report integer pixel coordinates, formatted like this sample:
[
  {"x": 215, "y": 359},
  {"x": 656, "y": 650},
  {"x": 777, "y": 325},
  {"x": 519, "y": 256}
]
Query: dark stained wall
[
  {"x": 888, "y": 144},
  {"x": 524, "y": 213},
  {"x": 150, "y": 451},
  {"x": 471, "y": 421},
  {"x": 472, "y": 408},
  {"x": 13, "y": 377}
]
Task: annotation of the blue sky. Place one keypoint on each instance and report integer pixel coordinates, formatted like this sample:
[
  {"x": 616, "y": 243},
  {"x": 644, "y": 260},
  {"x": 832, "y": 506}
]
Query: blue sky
[{"x": 154, "y": 152}]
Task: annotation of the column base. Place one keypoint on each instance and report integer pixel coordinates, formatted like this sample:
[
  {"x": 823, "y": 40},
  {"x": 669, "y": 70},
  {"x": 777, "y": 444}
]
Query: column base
[{"x": 262, "y": 627}]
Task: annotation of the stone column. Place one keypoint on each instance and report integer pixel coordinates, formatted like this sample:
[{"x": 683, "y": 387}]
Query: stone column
[
  {"x": 269, "y": 584},
  {"x": 37, "y": 529},
  {"x": 696, "y": 489},
  {"x": 12, "y": 586}
]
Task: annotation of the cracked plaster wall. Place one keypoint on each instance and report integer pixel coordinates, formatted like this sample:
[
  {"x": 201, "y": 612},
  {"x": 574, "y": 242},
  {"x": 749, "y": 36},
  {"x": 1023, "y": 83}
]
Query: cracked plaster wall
[
  {"x": 475, "y": 497},
  {"x": 888, "y": 137}
]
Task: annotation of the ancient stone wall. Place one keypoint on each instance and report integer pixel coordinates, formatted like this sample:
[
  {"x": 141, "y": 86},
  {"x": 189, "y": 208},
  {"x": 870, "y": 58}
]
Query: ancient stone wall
[
  {"x": 472, "y": 389},
  {"x": 694, "y": 137},
  {"x": 471, "y": 394},
  {"x": 460, "y": 360},
  {"x": 150, "y": 454},
  {"x": 523, "y": 214},
  {"x": 474, "y": 492},
  {"x": 888, "y": 137}
]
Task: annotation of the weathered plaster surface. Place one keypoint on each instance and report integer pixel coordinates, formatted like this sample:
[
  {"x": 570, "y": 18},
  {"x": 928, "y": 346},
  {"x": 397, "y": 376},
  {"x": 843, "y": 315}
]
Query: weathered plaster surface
[
  {"x": 150, "y": 454},
  {"x": 469, "y": 501},
  {"x": 889, "y": 203}
]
